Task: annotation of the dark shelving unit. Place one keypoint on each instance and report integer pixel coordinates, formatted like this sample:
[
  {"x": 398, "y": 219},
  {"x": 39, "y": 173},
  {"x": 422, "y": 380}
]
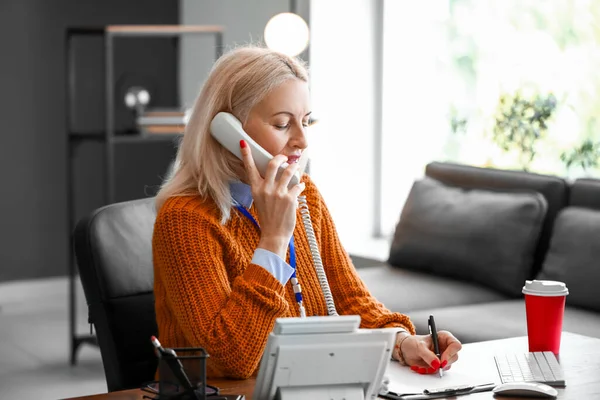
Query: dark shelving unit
[{"x": 109, "y": 136}]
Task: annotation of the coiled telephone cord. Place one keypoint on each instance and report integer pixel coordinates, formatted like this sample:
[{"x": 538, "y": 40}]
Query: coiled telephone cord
[{"x": 314, "y": 250}]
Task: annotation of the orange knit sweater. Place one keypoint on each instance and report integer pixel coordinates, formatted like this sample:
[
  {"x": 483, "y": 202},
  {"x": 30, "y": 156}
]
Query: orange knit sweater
[{"x": 208, "y": 294}]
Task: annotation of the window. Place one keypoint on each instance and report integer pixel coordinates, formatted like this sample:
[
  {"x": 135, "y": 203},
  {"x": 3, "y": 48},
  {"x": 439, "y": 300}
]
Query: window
[{"x": 499, "y": 83}]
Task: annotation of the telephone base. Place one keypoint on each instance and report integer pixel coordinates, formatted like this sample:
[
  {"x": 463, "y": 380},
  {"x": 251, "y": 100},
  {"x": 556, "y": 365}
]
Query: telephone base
[{"x": 333, "y": 392}]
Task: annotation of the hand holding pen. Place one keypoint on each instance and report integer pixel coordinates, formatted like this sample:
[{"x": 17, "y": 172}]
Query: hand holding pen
[{"x": 418, "y": 352}]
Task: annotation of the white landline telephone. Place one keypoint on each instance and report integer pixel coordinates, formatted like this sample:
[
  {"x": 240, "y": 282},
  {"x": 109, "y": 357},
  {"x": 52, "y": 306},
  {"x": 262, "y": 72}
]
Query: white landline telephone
[{"x": 228, "y": 131}]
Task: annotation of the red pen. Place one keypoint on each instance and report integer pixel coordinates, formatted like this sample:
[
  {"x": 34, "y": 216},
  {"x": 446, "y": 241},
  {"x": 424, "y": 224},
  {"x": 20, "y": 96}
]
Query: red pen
[
  {"x": 155, "y": 342},
  {"x": 158, "y": 347}
]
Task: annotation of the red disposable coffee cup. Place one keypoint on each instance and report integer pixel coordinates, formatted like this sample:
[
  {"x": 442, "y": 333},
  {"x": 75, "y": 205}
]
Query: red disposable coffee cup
[{"x": 545, "y": 308}]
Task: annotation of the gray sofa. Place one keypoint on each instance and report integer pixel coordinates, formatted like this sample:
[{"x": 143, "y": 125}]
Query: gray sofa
[{"x": 469, "y": 237}]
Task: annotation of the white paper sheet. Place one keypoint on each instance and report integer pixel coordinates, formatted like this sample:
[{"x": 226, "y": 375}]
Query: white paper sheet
[{"x": 403, "y": 380}]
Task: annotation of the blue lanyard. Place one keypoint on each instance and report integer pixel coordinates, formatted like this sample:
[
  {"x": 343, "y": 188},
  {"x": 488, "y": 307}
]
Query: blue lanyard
[{"x": 294, "y": 279}]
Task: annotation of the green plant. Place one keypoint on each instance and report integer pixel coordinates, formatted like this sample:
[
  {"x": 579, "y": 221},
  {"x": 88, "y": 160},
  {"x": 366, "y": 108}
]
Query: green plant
[
  {"x": 586, "y": 155},
  {"x": 521, "y": 121},
  {"x": 458, "y": 123}
]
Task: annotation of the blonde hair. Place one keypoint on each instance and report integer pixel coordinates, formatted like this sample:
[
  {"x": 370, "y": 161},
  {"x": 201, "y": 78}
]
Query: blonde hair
[{"x": 238, "y": 81}]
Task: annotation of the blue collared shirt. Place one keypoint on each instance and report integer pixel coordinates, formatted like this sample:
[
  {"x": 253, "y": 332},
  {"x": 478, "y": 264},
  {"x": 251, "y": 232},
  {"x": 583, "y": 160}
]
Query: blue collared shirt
[{"x": 282, "y": 271}]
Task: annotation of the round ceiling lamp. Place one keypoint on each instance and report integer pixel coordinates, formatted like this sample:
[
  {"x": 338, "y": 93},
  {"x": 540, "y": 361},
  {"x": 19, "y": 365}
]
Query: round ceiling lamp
[{"x": 287, "y": 33}]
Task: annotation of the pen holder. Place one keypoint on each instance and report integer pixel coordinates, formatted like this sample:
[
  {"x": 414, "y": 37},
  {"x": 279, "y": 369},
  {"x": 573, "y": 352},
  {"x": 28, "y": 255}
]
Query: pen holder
[{"x": 182, "y": 377}]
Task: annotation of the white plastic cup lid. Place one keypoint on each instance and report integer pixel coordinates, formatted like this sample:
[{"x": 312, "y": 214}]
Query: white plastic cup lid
[{"x": 545, "y": 288}]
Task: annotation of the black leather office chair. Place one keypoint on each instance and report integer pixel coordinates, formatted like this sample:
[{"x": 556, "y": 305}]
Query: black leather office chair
[{"x": 113, "y": 247}]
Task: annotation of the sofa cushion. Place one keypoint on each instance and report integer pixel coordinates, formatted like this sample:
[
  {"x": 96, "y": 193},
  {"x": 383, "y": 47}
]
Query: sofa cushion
[
  {"x": 476, "y": 322},
  {"x": 404, "y": 291},
  {"x": 585, "y": 193},
  {"x": 476, "y": 235},
  {"x": 499, "y": 320},
  {"x": 574, "y": 256},
  {"x": 554, "y": 190}
]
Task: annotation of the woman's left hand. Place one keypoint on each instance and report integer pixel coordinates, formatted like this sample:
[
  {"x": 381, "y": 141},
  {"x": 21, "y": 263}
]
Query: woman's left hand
[{"x": 418, "y": 352}]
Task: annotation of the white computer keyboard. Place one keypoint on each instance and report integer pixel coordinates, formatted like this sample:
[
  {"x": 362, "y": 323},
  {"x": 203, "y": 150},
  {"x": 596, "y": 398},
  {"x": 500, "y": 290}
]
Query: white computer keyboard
[{"x": 540, "y": 367}]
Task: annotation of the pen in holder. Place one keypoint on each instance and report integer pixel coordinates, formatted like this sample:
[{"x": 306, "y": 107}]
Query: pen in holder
[{"x": 182, "y": 374}]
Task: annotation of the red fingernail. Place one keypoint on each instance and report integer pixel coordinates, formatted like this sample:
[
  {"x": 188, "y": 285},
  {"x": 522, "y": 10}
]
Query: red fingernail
[
  {"x": 435, "y": 364},
  {"x": 430, "y": 370},
  {"x": 242, "y": 143},
  {"x": 444, "y": 363},
  {"x": 422, "y": 370},
  {"x": 414, "y": 368}
]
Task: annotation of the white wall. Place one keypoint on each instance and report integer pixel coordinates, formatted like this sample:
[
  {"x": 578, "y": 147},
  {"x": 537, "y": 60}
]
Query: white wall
[
  {"x": 341, "y": 57},
  {"x": 244, "y": 22},
  {"x": 342, "y": 143}
]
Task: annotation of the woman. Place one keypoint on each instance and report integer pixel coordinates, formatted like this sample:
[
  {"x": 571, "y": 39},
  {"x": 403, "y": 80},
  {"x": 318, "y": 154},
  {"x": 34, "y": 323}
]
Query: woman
[{"x": 221, "y": 241}]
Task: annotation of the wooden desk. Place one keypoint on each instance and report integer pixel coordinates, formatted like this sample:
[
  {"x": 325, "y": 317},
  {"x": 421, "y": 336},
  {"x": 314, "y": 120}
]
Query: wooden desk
[
  {"x": 579, "y": 358},
  {"x": 227, "y": 386}
]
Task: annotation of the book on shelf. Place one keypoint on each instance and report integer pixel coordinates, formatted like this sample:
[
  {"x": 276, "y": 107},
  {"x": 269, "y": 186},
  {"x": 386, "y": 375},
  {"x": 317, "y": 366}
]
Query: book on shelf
[
  {"x": 161, "y": 116},
  {"x": 162, "y": 129}
]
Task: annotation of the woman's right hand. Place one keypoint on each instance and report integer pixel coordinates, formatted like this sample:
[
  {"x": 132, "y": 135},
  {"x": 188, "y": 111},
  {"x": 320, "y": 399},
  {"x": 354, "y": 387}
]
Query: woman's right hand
[
  {"x": 275, "y": 204},
  {"x": 417, "y": 351}
]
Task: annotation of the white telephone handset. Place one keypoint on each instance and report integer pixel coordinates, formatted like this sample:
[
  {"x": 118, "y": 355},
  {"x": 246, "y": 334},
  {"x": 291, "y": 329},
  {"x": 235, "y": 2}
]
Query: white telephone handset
[{"x": 228, "y": 131}]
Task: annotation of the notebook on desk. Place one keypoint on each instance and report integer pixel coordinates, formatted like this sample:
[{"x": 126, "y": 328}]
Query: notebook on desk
[
  {"x": 408, "y": 385},
  {"x": 504, "y": 367}
]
